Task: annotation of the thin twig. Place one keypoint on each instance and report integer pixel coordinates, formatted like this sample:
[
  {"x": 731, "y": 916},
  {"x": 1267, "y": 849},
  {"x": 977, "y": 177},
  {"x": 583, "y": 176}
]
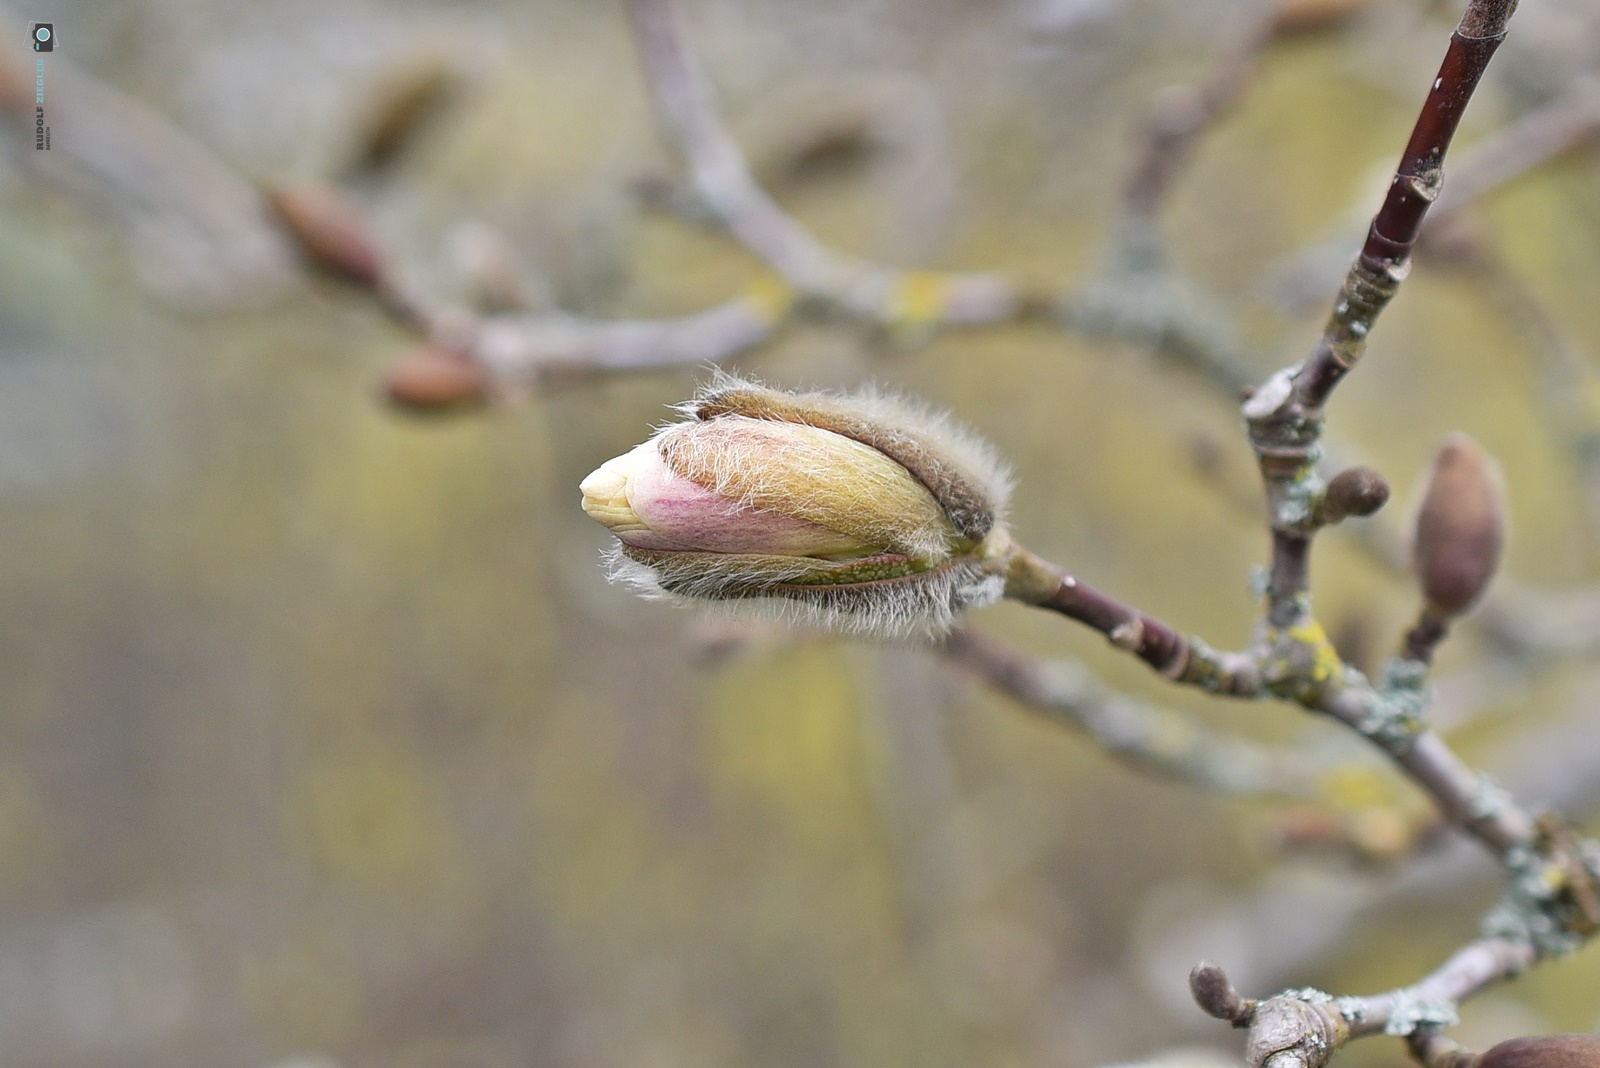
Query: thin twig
[
  {"x": 1570, "y": 121},
  {"x": 524, "y": 350},
  {"x": 1285, "y": 415},
  {"x": 1145, "y": 737},
  {"x": 1304, "y": 1028},
  {"x": 724, "y": 182},
  {"x": 1188, "y": 660},
  {"x": 200, "y": 234},
  {"x": 1184, "y": 114},
  {"x": 1301, "y": 1029}
]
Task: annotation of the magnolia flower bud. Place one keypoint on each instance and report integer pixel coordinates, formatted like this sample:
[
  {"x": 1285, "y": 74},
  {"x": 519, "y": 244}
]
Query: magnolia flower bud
[
  {"x": 430, "y": 379},
  {"x": 859, "y": 514},
  {"x": 1460, "y": 528},
  {"x": 330, "y": 230},
  {"x": 1544, "y": 1051}
]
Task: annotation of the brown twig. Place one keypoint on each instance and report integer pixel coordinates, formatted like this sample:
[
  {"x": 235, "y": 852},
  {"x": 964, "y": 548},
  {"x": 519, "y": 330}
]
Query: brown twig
[
  {"x": 1301, "y": 1029},
  {"x": 1038, "y": 582},
  {"x": 1299, "y": 664},
  {"x": 1285, "y": 415},
  {"x": 1304, "y": 1028},
  {"x": 1565, "y": 124},
  {"x": 1569, "y": 122}
]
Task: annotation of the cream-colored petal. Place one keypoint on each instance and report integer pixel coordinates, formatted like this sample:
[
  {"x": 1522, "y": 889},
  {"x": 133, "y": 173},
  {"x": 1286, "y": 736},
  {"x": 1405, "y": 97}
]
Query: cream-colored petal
[
  {"x": 605, "y": 491},
  {"x": 649, "y": 506}
]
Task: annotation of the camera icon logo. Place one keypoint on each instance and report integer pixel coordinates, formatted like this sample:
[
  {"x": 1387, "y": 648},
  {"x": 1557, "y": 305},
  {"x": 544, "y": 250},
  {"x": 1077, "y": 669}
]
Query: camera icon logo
[{"x": 44, "y": 36}]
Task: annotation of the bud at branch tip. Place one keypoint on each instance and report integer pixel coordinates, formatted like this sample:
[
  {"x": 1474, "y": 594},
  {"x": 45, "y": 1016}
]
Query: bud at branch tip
[
  {"x": 1460, "y": 528},
  {"x": 862, "y": 514}
]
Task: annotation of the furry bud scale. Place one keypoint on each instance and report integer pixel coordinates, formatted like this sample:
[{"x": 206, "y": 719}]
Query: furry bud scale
[{"x": 858, "y": 514}]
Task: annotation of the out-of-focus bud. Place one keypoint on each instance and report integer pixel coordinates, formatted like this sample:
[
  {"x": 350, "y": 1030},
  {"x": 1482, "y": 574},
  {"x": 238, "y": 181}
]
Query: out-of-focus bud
[
  {"x": 1544, "y": 1051},
  {"x": 16, "y": 81},
  {"x": 1460, "y": 528},
  {"x": 1355, "y": 491},
  {"x": 432, "y": 379},
  {"x": 330, "y": 229},
  {"x": 858, "y": 514},
  {"x": 1213, "y": 991},
  {"x": 404, "y": 102},
  {"x": 1294, "y": 17}
]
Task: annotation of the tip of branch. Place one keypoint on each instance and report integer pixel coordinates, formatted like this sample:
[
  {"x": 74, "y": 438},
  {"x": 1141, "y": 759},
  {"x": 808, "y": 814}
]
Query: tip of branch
[{"x": 1215, "y": 994}]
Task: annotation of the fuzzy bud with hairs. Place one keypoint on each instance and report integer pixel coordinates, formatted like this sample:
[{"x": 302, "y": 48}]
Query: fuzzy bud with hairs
[{"x": 861, "y": 514}]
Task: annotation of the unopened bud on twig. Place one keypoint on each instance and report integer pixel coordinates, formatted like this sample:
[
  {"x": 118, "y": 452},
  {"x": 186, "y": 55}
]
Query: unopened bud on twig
[
  {"x": 1215, "y": 994},
  {"x": 1544, "y": 1051},
  {"x": 1460, "y": 528},
  {"x": 433, "y": 379},
  {"x": 16, "y": 80},
  {"x": 330, "y": 230},
  {"x": 1355, "y": 491},
  {"x": 859, "y": 514},
  {"x": 1313, "y": 16}
]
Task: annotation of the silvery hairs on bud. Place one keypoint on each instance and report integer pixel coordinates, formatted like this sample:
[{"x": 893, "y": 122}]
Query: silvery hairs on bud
[{"x": 864, "y": 514}]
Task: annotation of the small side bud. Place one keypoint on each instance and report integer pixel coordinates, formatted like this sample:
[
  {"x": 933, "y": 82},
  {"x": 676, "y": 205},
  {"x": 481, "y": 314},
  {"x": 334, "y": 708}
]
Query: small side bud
[
  {"x": 1460, "y": 528},
  {"x": 1544, "y": 1051},
  {"x": 1215, "y": 995},
  {"x": 330, "y": 230},
  {"x": 430, "y": 379},
  {"x": 403, "y": 104},
  {"x": 1355, "y": 491}
]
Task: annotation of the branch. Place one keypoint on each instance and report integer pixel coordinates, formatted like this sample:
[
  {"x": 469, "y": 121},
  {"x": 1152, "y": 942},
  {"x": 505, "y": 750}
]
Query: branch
[
  {"x": 1569, "y": 122},
  {"x": 1038, "y": 582},
  {"x": 1185, "y": 113},
  {"x": 527, "y": 349},
  {"x": 200, "y": 234},
  {"x": 1285, "y": 415},
  {"x": 1304, "y": 1028},
  {"x": 1147, "y": 738},
  {"x": 469, "y": 357},
  {"x": 1297, "y": 663},
  {"x": 724, "y": 182}
]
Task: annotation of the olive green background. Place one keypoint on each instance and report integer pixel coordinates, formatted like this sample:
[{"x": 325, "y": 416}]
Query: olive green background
[{"x": 323, "y": 739}]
